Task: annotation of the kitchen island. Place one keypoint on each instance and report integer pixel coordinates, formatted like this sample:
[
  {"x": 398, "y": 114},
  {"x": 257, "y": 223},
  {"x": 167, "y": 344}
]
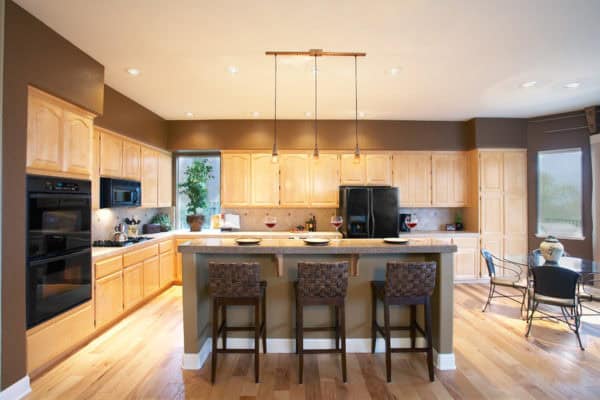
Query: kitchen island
[{"x": 278, "y": 259}]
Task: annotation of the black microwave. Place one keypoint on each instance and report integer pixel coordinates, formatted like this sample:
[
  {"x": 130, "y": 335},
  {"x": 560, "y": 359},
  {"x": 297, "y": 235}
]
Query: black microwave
[{"x": 119, "y": 193}]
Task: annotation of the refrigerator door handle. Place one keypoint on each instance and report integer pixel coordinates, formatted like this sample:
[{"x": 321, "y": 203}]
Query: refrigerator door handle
[{"x": 372, "y": 216}]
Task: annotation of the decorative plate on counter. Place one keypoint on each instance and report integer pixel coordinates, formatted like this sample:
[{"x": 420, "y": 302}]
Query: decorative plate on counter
[
  {"x": 316, "y": 241},
  {"x": 247, "y": 241},
  {"x": 393, "y": 240}
]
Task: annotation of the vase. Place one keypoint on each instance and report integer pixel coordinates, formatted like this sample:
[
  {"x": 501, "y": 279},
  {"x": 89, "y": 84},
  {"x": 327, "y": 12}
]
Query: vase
[
  {"x": 195, "y": 222},
  {"x": 551, "y": 249}
]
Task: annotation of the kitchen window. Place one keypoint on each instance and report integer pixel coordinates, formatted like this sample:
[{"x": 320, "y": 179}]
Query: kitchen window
[
  {"x": 214, "y": 187},
  {"x": 560, "y": 194}
]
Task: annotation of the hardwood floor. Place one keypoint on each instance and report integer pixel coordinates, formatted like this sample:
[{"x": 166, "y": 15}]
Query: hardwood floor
[{"x": 140, "y": 358}]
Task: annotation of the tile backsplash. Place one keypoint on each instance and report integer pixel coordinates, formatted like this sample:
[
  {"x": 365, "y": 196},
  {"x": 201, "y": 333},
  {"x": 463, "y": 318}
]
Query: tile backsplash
[
  {"x": 433, "y": 219},
  {"x": 105, "y": 219},
  {"x": 251, "y": 219}
]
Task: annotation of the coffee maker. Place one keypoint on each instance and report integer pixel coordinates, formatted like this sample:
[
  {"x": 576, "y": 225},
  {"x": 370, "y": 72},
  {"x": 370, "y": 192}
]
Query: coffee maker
[{"x": 404, "y": 219}]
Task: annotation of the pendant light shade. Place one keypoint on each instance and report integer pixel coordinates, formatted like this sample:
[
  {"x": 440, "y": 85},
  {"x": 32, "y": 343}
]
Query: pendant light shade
[
  {"x": 275, "y": 152},
  {"x": 356, "y": 148},
  {"x": 316, "y": 149}
]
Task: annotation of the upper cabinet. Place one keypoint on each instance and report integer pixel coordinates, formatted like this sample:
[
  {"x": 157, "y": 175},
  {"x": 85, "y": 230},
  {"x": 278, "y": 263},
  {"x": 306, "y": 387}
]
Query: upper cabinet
[
  {"x": 294, "y": 180},
  {"x": 235, "y": 179},
  {"x": 165, "y": 180},
  {"x": 449, "y": 179},
  {"x": 378, "y": 169},
  {"x": 353, "y": 171},
  {"x": 111, "y": 155},
  {"x": 411, "y": 174},
  {"x": 265, "y": 181},
  {"x": 132, "y": 160},
  {"x": 149, "y": 177},
  {"x": 325, "y": 181},
  {"x": 59, "y": 137}
]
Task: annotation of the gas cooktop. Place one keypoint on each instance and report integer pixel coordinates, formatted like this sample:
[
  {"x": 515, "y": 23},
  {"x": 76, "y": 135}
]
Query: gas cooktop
[{"x": 114, "y": 243}]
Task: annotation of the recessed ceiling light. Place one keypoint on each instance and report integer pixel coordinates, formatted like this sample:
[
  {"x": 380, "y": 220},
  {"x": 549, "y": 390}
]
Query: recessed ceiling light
[
  {"x": 255, "y": 114},
  {"x": 233, "y": 69},
  {"x": 394, "y": 71},
  {"x": 572, "y": 85},
  {"x": 133, "y": 71},
  {"x": 528, "y": 84},
  {"x": 189, "y": 114},
  {"x": 308, "y": 114}
]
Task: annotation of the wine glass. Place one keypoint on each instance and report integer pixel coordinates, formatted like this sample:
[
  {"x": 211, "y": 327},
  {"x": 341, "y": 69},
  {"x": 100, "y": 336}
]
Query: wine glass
[
  {"x": 336, "y": 221},
  {"x": 412, "y": 222},
  {"x": 270, "y": 221}
]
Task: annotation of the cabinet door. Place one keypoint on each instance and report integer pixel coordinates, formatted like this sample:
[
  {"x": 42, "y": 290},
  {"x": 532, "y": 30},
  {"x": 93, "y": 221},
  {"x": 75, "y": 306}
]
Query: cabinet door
[
  {"x": 109, "y": 298},
  {"x": 44, "y": 135},
  {"x": 495, "y": 245},
  {"x": 235, "y": 180},
  {"x": 379, "y": 169},
  {"x": 165, "y": 180},
  {"x": 294, "y": 180},
  {"x": 111, "y": 155},
  {"x": 353, "y": 172},
  {"x": 167, "y": 271},
  {"x": 151, "y": 276},
  {"x": 515, "y": 172},
  {"x": 77, "y": 143},
  {"x": 460, "y": 178},
  {"x": 132, "y": 160},
  {"x": 515, "y": 215},
  {"x": 442, "y": 174},
  {"x": 149, "y": 177},
  {"x": 515, "y": 246},
  {"x": 491, "y": 171},
  {"x": 95, "y": 170},
  {"x": 179, "y": 261},
  {"x": 265, "y": 181},
  {"x": 133, "y": 285},
  {"x": 491, "y": 219},
  {"x": 466, "y": 259},
  {"x": 325, "y": 181},
  {"x": 411, "y": 174}
]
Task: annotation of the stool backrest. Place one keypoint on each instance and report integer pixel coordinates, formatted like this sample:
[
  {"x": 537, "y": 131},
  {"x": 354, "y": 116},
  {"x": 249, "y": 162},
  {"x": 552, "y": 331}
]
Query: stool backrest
[
  {"x": 327, "y": 279},
  {"x": 410, "y": 279},
  {"x": 233, "y": 279}
]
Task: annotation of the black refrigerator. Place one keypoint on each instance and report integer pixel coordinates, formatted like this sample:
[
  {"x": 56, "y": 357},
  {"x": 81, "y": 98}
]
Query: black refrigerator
[{"x": 369, "y": 211}]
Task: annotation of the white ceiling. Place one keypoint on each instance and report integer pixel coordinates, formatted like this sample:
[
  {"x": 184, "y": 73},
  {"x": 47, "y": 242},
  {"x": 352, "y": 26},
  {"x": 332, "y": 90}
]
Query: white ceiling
[{"x": 458, "y": 59}]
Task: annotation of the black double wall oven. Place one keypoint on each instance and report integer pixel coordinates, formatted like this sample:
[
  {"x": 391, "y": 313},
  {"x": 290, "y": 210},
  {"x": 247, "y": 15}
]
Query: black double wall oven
[{"x": 59, "y": 257}]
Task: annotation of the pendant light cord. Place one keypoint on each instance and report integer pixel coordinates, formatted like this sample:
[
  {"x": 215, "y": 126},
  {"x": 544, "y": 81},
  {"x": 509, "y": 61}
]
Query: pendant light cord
[
  {"x": 356, "y": 102},
  {"x": 316, "y": 150},
  {"x": 275, "y": 112}
]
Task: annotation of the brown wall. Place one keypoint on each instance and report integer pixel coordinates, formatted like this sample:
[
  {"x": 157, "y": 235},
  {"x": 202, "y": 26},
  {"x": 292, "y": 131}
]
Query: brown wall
[
  {"x": 125, "y": 116},
  {"x": 499, "y": 132},
  {"x": 333, "y": 135},
  {"x": 561, "y": 131}
]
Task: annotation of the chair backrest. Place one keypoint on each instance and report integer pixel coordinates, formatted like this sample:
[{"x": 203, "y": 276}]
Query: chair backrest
[
  {"x": 323, "y": 279},
  {"x": 234, "y": 279},
  {"x": 489, "y": 262},
  {"x": 555, "y": 282},
  {"x": 410, "y": 279}
]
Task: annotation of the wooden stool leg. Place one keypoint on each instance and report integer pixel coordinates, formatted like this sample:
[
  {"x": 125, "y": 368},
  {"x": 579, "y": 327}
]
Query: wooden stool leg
[
  {"x": 300, "y": 325},
  {"x": 343, "y": 328},
  {"x": 256, "y": 339},
  {"x": 388, "y": 347},
  {"x": 373, "y": 319},
  {"x": 215, "y": 331},
  {"x": 429, "y": 345},
  {"x": 264, "y": 321},
  {"x": 337, "y": 327},
  {"x": 224, "y": 322},
  {"x": 413, "y": 324}
]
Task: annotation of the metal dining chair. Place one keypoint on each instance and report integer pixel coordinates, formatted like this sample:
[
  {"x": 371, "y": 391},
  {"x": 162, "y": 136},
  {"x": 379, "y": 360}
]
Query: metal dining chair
[
  {"x": 556, "y": 286},
  {"x": 589, "y": 293},
  {"x": 511, "y": 276}
]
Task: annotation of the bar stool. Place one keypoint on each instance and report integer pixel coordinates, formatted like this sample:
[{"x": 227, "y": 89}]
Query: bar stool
[
  {"x": 406, "y": 283},
  {"x": 323, "y": 284},
  {"x": 237, "y": 284}
]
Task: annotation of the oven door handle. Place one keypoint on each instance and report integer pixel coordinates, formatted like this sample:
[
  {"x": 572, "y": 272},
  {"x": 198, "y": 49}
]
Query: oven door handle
[
  {"x": 66, "y": 195},
  {"x": 59, "y": 258}
]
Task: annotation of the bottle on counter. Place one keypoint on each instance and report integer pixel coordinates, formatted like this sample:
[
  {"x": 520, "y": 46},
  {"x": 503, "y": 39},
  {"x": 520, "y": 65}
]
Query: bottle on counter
[
  {"x": 314, "y": 223},
  {"x": 311, "y": 224}
]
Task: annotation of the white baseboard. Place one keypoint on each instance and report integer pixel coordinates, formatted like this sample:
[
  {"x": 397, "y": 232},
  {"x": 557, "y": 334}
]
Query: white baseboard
[
  {"x": 443, "y": 361},
  {"x": 17, "y": 390}
]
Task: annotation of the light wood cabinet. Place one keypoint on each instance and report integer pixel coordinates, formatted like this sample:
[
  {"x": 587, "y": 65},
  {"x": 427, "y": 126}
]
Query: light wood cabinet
[
  {"x": 165, "y": 180},
  {"x": 132, "y": 160},
  {"x": 96, "y": 170},
  {"x": 495, "y": 245},
  {"x": 235, "y": 180},
  {"x": 167, "y": 270},
  {"x": 353, "y": 172},
  {"x": 151, "y": 276},
  {"x": 449, "y": 179},
  {"x": 325, "y": 181},
  {"x": 77, "y": 143},
  {"x": 515, "y": 172},
  {"x": 44, "y": 135},
  {"x": 149, "y": 177},
  {"x": 466, "y": 258},
  {"x": 109, "y": 298},
  {"x": 378, "y": 169},
  {"x": 264, "y": 181},
  {"x": 111, "y": 155},
  {"x": 492, "y": 213},
  {"x": 133, "y": 285},
  {"x": 491, "y": 171},
  {"x": 294, "y": 180},
  {"x": 411, "y": 174},
  {"x": 179, "y": 260}
]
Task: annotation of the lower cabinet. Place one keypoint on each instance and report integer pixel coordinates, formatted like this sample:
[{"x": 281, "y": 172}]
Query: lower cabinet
[
  {"x": 133, "y": 285},
  {"x": 109, "y": 298},
  {"x": 151, "y": 276},
  {"x": 466, "y": 258},
  {"x": 167, "y": 270}
]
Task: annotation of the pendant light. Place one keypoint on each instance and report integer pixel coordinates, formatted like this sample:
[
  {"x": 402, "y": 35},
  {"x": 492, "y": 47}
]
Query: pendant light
[
  {"x": 316, "y": 149},
  {"x": 356, "y": 148},
  {"x": 275, "y": 152}
]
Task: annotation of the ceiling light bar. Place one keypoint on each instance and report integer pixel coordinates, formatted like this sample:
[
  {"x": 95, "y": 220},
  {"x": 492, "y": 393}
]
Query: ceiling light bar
[{"x": 315, "y": 53}]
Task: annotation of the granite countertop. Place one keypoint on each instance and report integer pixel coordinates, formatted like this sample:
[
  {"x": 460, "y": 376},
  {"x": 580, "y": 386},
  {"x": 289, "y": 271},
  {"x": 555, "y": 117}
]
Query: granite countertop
[
  {"x": 434, "y": 233},
  {"x": 296, "y": 246}
]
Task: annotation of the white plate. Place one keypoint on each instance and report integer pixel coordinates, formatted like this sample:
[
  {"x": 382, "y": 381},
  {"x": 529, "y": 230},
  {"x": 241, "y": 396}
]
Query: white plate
[
  {"x": 316, "y": 241},
  {"x": 247, "y": 241},
  {"x": 393, "y": 240}
]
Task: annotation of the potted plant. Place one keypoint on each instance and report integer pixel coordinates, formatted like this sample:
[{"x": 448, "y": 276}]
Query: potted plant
[{"x": 195, "y": 187}]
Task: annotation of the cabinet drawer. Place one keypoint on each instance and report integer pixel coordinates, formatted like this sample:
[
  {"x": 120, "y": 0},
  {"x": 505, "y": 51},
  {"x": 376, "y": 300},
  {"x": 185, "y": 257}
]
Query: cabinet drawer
[
  {"x": 441, "y": 241},
  {"x": 466, "y": 242},
  {"x": 136, "y": 256},
  {"x": 108, "y": 266},
  {"x": 165, "y": 246}
]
